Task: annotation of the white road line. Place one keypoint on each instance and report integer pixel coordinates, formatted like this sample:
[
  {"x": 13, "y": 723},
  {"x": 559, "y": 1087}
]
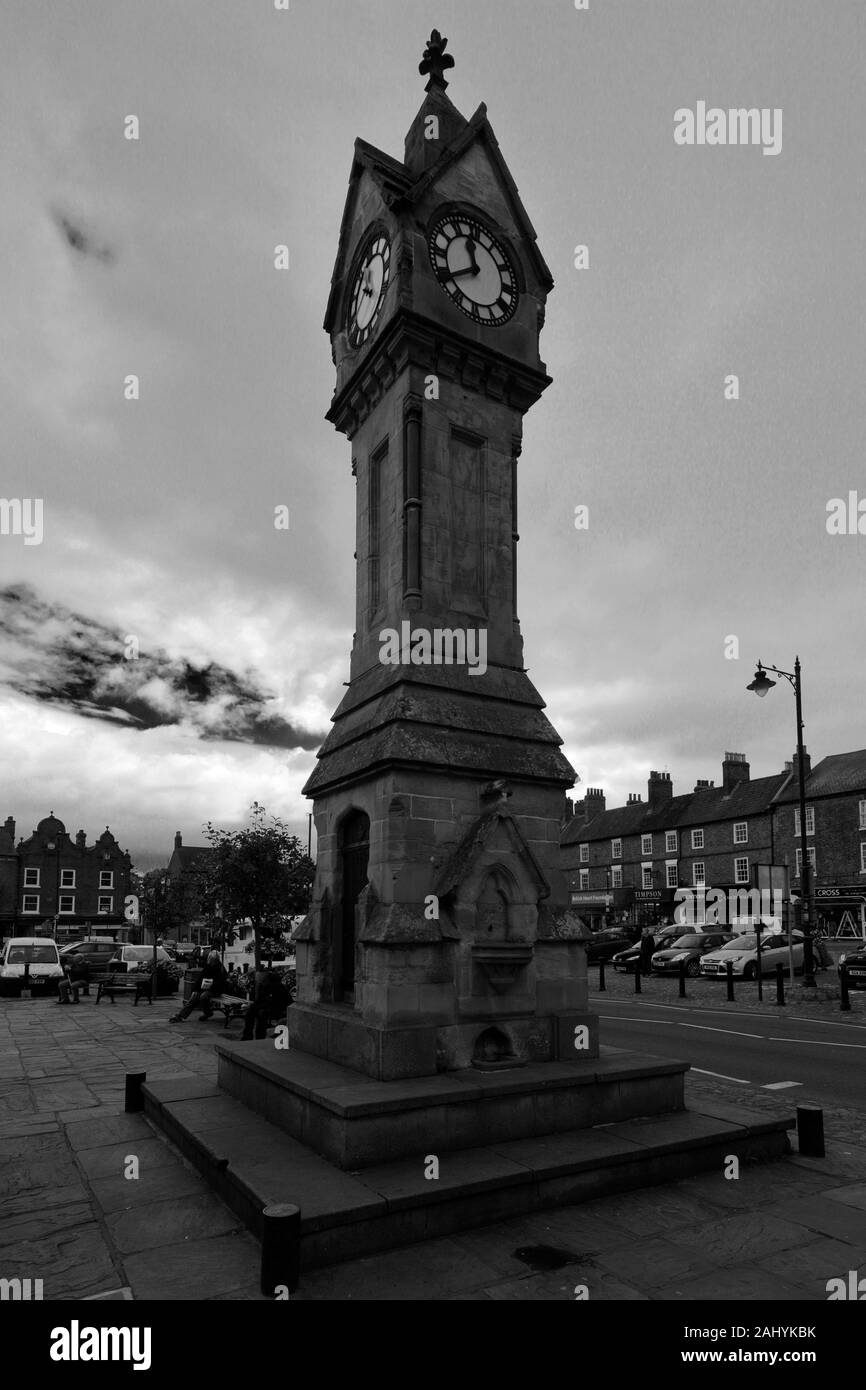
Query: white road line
[
  {"x": 779, "y": 1085},
  {"x": 701, "y": 1027},
  {"x": 727, "y": 1013},
  {"x": 721, "y": 1076},
  {"x": 814, "y": 1042}
]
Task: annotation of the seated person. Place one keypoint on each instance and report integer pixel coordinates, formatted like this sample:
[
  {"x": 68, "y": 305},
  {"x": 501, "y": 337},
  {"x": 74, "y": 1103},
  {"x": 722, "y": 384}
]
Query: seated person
[
  {"x": 77, "y": 978},
  {"x": 212, "y": 985},
  {"x": 270, "y": 1000}
]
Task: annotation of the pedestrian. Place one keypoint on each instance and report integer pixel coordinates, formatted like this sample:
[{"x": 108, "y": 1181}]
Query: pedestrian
[
  {"x": 212, "y": 985},
  {"x": 270, "y": 1000},
  {"x": 647, "y": 946}
]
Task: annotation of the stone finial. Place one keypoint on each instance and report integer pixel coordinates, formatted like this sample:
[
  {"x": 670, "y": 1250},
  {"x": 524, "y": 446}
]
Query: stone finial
[
  {"x": 496, "y": 791},
  {"x": 436, "y": 62}
]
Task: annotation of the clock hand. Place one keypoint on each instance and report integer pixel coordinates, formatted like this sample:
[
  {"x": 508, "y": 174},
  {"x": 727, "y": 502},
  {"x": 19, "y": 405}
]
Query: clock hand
[{"x": 457, "y": 274}]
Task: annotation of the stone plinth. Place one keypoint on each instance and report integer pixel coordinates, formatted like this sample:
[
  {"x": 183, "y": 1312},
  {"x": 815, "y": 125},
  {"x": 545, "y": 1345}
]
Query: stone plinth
[{"x": 354, "y": 1121}]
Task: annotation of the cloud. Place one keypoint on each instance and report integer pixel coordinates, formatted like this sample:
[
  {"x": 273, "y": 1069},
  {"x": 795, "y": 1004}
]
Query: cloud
[{"x": 67, "y": 661}]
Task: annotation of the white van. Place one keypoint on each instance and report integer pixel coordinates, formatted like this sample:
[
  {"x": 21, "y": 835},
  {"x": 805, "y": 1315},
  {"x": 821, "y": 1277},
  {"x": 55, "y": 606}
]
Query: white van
[{"x": 40, "y": 953}]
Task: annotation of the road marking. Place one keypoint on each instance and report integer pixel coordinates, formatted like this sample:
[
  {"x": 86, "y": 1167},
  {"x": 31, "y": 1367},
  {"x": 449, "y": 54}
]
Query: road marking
[
  {"x": 814, "y": 1042},
  {"x": 728, "y": 1013},
  {"x": 701, "y": 1027},
  {"x": 721, "y": 1076},
  {"x": 779, "y": 1085}
]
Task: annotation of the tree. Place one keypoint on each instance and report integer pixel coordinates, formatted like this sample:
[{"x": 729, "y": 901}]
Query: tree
[
  {"x": 260, "y": 874},
  {"x": 159, "y": 903}
]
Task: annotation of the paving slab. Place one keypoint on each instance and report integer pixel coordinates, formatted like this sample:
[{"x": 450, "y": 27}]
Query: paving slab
[
  {"x": 734, "y": 1284},
  {"x": 195, "y": 1269},
  {"x": 809, "y": 1266},
  {"x": 821, "y": 1216},
  {"x": 108, "y": 1160},
  {"x": 168, "y": 1221},
  {"x": 120, "y": 1194},
  {"x": 110, "y": 1129},
  {"x": 732, "y": 1239}
]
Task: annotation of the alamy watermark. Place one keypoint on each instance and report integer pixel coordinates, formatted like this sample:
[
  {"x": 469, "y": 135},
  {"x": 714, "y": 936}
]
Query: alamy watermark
[
  {"x": 22, "y": 516},
  {"x": 736, "y": 126},
  {"x": 718, "y": 906},
  {"x": 443, "y": 646}
]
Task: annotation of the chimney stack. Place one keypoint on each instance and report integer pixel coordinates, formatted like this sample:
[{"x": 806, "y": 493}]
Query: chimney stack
[
  {"x": 178, "y": 842},
  {"x": 9, "y": 826},
  {"x": 734, "y": 769},
  {"x": 807, "y": 763},
  {"x": 633, "y": 799},
  {"x": 593, "y": 802},
  {"x": 659, "y": 788},
  {"x": 703, "y": 785}
]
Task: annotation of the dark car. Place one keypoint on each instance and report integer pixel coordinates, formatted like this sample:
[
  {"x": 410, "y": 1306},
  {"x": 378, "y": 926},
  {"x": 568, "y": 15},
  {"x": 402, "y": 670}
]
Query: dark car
[
  {"x": 688, "y": 948},
  {"x": 855, "y": 967},
  {"x": 625, "y": 960},
  {"x": 606, "y": 943},
  {"x": 97, "y": 953}
]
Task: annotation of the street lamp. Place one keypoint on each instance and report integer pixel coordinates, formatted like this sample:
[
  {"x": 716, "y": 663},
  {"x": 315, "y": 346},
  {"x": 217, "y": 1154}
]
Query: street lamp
[{"x": 761, "y": 685}]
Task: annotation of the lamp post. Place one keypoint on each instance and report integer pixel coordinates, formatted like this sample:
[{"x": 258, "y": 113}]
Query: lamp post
[{"x": 761, "y": 685}]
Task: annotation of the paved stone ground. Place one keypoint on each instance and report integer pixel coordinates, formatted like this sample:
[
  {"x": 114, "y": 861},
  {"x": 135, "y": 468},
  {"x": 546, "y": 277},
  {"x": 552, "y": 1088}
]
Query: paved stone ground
[{"x": 70, "y": 1217}]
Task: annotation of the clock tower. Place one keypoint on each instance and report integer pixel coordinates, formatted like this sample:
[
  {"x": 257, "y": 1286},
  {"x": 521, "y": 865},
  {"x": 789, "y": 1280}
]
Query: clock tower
[{"x": 439, "y": 937}]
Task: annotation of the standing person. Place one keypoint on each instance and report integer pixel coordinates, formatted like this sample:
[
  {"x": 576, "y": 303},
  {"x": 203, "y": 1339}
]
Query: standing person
[
  {"x": 647, "y": 946},
  {"x": 212, "y": 984}
]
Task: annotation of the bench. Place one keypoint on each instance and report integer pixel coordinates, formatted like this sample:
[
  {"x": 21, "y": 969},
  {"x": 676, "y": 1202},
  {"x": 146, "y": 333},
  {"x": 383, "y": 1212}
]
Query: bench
[
  {"x": 112, "y": 984},
  {"x": 230, "y": 1006}
]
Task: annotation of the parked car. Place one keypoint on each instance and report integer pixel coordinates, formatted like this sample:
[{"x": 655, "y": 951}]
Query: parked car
[
  {"x": 742, "y": 952},
  {"x": 625, "y": 960},
  {"x": 129, "y": 960},
  {"x": 97, "y": 951},
  {"x": 689, "y": 948},
  {"x": 855, "y": 966},
  {"x": 41, "y": 954},
  {"x": 606, "y": 943}
]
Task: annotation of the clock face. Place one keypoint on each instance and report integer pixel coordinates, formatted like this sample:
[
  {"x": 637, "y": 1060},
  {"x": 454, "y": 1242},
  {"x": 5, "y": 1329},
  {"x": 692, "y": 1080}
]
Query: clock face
[
  {"x": 368, "y": 291},
  {"x": 473, "y": 269}
]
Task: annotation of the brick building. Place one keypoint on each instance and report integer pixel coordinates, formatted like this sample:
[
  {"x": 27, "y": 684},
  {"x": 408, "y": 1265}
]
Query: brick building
[
  {"x": 187, "y": 868},
  {"x": 52, "y": 878},
  {"x": 836, "y": 836},
  {"x": 627, "y": 863}
]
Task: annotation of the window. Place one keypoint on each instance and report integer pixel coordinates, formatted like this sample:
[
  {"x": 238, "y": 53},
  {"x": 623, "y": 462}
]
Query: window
[
  {"x": 584, "y": 854},
  {"x": 106, "y": 878},
  {"x": 741, "y": 832},
  {"x": 811, "y": 851},
  {"x": 698, "y": 878},
  {"x": 863, "y": 856},
  {"x": 67, "y": 878},
  {"x": 671, "y": 841},
  {"x": 697, "y": 839},
  {"x": 646, "y": 873},
  {"x": 31, "y": 902},
  {"x": 67, "y": 903},
  {"x": 863, "y": 815},
  {"x": 810, "y": 820},
  {"x": 31, "y": 878},
  {"x": 646, "y": 844},
  {"x": 105, "y": 903},
  {"x": 671, "y": 873},
  {"x": 741, "y": 870},
  {"x": 584, "y": 879},
  {"x": 616, "y": 877},
  {"x": 616, "y": 849}
]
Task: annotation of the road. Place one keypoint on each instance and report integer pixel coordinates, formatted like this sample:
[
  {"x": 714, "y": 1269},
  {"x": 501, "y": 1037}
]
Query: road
[{"x": 805, "y": 1059}]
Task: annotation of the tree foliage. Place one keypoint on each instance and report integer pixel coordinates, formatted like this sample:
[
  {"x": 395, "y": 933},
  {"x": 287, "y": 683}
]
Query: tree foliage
[{"x": 261, "y": 874}]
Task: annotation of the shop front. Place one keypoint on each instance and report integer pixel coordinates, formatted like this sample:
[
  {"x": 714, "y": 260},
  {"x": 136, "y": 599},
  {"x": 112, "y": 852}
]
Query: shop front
[
  {"x": 594, "y": 908},
  {"x": 841, "y": 911}
]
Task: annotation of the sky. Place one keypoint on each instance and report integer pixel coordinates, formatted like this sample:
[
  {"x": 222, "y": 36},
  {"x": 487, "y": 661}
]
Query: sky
[{"x": 167, "y": 656}]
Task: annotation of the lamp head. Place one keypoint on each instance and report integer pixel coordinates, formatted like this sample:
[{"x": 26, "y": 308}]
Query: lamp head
[{"x": 762, "y": 683}]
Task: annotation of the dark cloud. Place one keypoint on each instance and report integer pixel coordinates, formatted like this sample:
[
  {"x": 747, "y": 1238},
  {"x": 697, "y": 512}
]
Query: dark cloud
[
  {"x": 79, "y": 240},
  {"x": 70, "y": 662}
]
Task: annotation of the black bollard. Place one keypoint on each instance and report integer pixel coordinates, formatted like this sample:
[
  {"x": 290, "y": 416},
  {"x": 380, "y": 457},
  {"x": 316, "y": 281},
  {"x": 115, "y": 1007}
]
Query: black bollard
[
  {"x": 134, "y": 1100},
  {"x": 25, "y": 983},
  {"x": 780, "y": 984},
  {"x": 281, "y": 1247},
  {"x": 637, "y": 977},
  {"x": 601, "y": 984},
  {"x": 845, "y": 1002},
  {"x": 682, "y": 979},
  {"x": 808, "y": 963},
  {"x": 729, "y": 971},
  {"x": 810, "y": 1130}
]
